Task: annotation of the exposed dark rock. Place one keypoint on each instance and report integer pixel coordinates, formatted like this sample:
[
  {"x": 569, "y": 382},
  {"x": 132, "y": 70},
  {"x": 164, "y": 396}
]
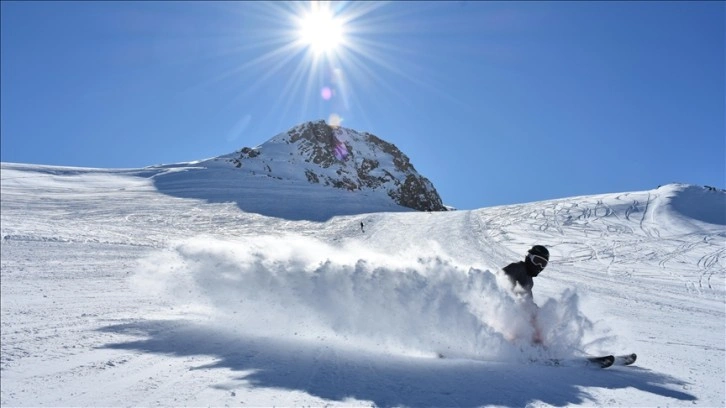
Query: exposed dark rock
[{"x": 317, "y": 142}]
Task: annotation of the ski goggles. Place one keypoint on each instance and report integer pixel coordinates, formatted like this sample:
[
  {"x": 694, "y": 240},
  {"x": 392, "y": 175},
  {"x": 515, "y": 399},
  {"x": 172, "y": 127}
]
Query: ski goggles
[{"x": 538, "y": 260}]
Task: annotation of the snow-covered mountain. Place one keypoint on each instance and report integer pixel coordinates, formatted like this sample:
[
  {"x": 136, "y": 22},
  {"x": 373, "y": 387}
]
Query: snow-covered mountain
[
  {"x": 313, "y": 154},
  {"x": 200, "y": 284}
]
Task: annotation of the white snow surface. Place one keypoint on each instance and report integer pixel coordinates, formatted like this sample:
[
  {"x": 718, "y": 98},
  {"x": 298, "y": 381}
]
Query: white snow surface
[{"x": 180, "y": 285}]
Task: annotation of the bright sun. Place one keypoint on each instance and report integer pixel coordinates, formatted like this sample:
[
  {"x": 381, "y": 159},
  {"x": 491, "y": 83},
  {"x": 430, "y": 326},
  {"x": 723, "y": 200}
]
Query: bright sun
[
  {"x": 321, "y": 30},
  {"x": 323, "y": 51}
]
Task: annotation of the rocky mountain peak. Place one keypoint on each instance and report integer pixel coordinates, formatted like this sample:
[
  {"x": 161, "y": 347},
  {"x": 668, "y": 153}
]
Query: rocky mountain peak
[{"x": 319, "y": 153}]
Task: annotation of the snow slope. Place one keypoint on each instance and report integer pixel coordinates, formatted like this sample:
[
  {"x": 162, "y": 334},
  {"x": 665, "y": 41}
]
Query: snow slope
[{"x": 117, "y": 289}]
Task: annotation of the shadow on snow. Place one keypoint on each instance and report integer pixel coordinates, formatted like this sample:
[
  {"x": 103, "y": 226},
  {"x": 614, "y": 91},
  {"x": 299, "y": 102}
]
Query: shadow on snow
[
  {"x": 293, "y": 201},
  {"x": 334, "y": 373}
]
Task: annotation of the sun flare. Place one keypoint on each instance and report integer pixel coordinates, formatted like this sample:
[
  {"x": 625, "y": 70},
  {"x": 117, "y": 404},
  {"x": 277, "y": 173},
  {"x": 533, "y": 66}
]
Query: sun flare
[
  {"x": 321, "y": 30},
  {"x": 327, "y": 56}
]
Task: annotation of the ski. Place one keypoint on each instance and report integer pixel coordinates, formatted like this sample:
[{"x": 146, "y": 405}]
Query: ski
[
  {"x": 588, "y": 361},
  {"x": 592, "y": 361},
  {"x": 611, "y": 360},
  {"x": 625, "y": 359},
  {"x": 601, "y": 361}
]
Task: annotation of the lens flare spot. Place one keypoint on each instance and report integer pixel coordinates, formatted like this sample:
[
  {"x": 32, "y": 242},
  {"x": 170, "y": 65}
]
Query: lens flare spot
[
  {"x": 334, "y": 120},
  {"x": 326, "y": 93},
  {"x": 340, "y": 150}
]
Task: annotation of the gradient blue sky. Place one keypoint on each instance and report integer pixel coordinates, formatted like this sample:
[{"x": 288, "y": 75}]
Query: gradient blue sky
[{"x": 495, "y": 102}]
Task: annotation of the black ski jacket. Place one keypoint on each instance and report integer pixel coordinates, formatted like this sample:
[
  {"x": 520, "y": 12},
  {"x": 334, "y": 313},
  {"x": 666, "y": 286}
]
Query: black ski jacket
[{"x": 517, "y": 273}]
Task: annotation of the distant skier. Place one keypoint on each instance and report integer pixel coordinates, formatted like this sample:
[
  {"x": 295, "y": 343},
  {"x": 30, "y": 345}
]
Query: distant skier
[
  {"x": 522, "y": 275},
  {"x": 361, "y": 227}
]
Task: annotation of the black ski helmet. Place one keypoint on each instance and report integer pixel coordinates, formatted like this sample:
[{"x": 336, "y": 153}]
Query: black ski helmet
[{"x": 541, "y": 251}]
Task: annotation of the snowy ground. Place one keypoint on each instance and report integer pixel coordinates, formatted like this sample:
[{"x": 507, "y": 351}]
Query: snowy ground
[{"x": 119, "y": 288}]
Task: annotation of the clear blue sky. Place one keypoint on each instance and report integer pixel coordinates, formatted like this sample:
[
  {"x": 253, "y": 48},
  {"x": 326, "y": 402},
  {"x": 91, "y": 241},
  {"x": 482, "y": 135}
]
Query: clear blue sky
[{"x": 495, "y": 102}]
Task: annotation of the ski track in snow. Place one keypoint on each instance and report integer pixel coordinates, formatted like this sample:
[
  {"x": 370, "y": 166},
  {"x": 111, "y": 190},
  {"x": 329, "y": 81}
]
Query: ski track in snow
[{"x": 115, "y": 294}]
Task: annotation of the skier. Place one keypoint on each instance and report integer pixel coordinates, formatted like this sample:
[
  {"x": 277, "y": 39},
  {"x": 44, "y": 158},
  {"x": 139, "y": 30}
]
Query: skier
[
  {"x": 361, "y": 227},
  {"x": 521, "y": 275}
]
